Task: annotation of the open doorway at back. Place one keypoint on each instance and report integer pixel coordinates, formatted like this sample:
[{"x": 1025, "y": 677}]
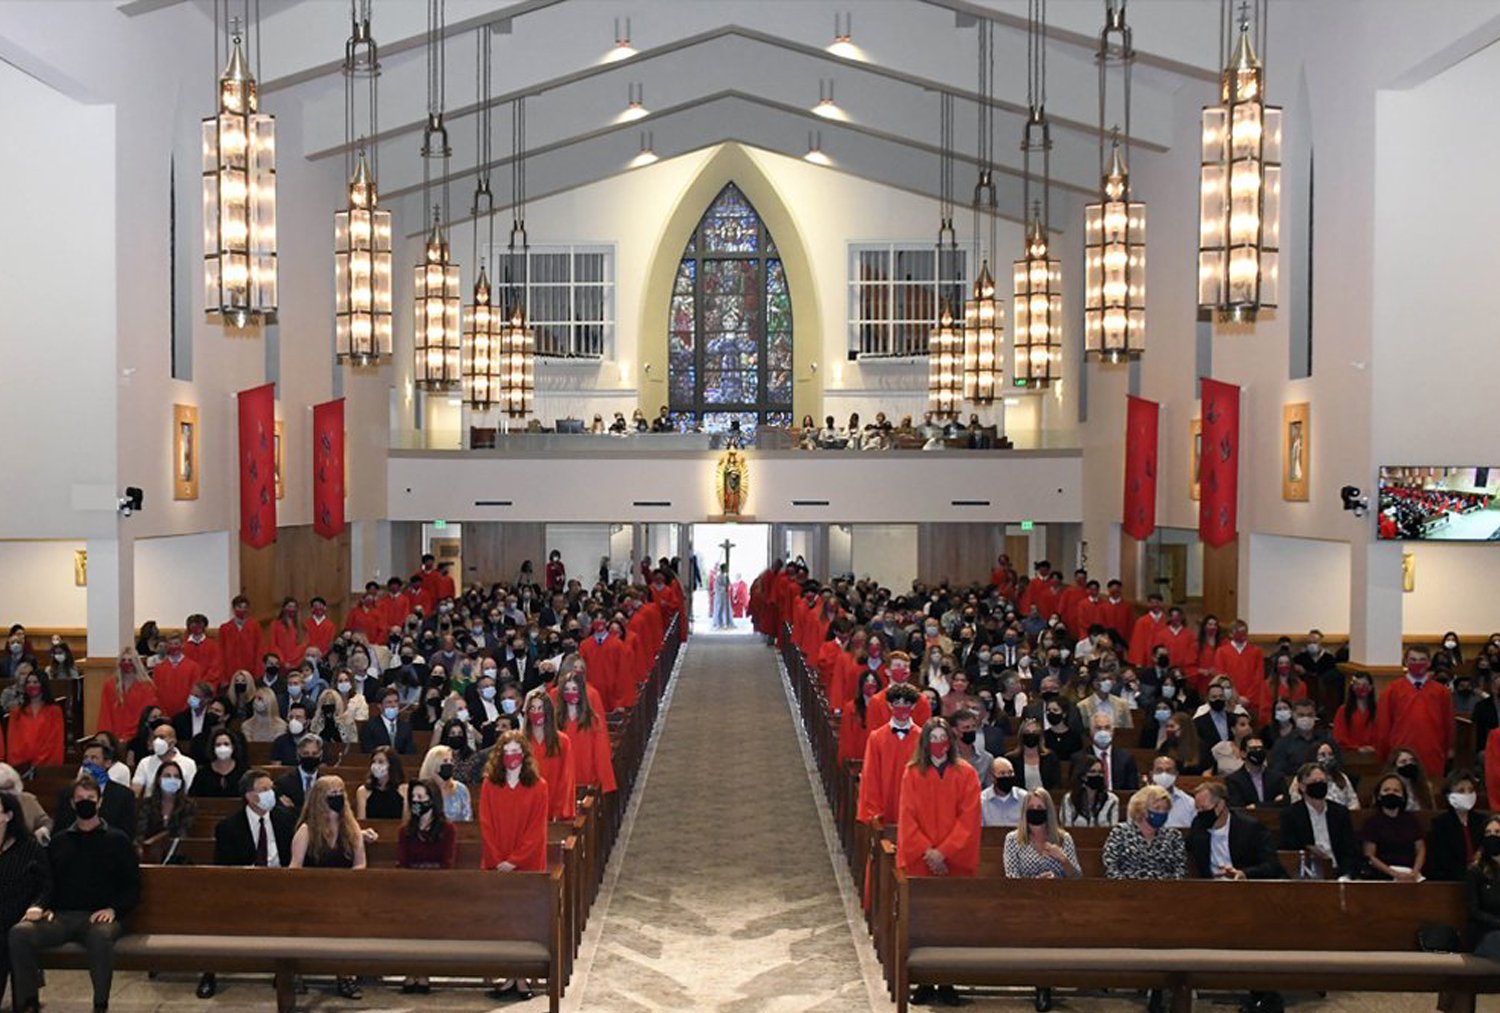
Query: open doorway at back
[{"x": 747, "y": 549}]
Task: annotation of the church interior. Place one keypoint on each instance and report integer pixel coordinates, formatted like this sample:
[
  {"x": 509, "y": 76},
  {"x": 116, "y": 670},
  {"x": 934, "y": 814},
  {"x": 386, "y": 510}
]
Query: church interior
[{"x": 590, "y": 435}]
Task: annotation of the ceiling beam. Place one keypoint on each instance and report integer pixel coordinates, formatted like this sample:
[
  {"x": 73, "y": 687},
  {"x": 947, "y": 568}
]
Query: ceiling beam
[
  {"x": 135, "y": 8},
  {"x": 1077, "y": 40},
  {"x": 738, "y": 32}
]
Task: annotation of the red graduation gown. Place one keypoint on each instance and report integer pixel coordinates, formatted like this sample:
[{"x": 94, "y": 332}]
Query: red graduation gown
[
  {"x": 318, "y": 634},
  {"x": 209, "y": 658},
  {"x": 593, "y": 762},
  {"x": 557, "y": 770},
  {"x": 880, "y": 710},
  {"x": 513, "y": 825},
  {"x": 1181, "y": 645},
  {"x": 240, "y": 647},
  {"x": 35, "y": 739},
  {"x": 1417, "y": 719},
  {"x": 886, "y": 757},
  {"x": 1246, "y": 668},
  {"x": 1118, "y": 616},
  {"x": 174, "y": 682},
  {"x": 123, "y": 717},
  {"x": 939, "y": 809}
]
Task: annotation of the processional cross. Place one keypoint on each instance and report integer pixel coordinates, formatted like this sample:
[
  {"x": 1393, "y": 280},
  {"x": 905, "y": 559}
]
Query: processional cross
[{"x": 726, "y": 545}]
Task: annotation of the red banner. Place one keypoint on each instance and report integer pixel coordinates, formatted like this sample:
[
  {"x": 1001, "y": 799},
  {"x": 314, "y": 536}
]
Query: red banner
[
  {"x": 328, "y": 468},
  {"x": 258, "y": 466},
  {"x": 1140, "y": 467},
  {"x": 1219, "y": 464}
]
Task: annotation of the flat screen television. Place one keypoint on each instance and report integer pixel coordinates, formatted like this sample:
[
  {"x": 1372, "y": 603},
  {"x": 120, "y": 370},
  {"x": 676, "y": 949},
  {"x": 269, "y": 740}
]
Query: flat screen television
[{"x": 1439, "y": 504}]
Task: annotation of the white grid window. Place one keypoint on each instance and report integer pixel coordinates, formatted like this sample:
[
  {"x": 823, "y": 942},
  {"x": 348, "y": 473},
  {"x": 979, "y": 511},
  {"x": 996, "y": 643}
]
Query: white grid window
[
  {"x": 570, "y": 298},
  {"x": 895, "y": 294}
]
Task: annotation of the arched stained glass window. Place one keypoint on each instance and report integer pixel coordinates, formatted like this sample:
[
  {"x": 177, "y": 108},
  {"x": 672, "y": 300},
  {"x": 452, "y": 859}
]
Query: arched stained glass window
[{"x": 730, "y": 345}]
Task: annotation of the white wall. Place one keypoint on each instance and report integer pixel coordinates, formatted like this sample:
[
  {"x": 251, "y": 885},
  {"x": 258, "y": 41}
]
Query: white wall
[
  {"x": 1455, "y": 590},
  {"x": 886, "y": 552},
  {"x": 39, "y": 588},
  {"x": 581, "y": 546},
  {"x": 1297, "y": 584},
  {"x": 176, "y": 576}
]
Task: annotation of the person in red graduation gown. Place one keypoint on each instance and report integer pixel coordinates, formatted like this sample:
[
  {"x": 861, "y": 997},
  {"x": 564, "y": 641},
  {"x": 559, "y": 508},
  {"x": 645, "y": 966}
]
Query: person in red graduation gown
[
  {"x": 240, "y": 640},
  {"x": 937, "y": 831},
  {"x": 899, "y": 671},
  {"x": 175, "y": 676},
  {"x": 513, "y": 809},
  {"x": 1143, "y": 633},
  {"x": 420, "y": 593},
  {"x": 628, "y": 674},
  {"x": 1416, "y": 713},
  {"x": 369, "y": 617},
  {"x": 443, "y": 582},
  {"x": 204, "y": 651},
  {"x": 1205, "y": 666},
  {"x": 760, "y": 600},
  {"x": 739, "y": 597},
  {"x": 1245, "y": 664},
  {"x": 1089, "y": 612},
  {"x": 395, "y": 605},
  {"x": 318, "y": 629},
  {"x": 34, "y": 728},
  {"x": 1116, "y": 613},
  {"x": 854, "y": 726},
  {"x": 1038, "y": 591},
  {"x": 1072, "y": 597},
  {"x": 123, "y": 699},
  {"x": 887, "y": 752},
  {"x": 436, "y": 584},
  {"x": 1003, "y": 578},
  {"x": 667, "y": 593},
  {"x": 1179, "y": 640},
  {"x": 851, "y": 664},
  {"x": 606, "y": 659},
  {"x": 581, "y": 718},
  {"x": 826, "y": 661},
  {"x": 286, "y": 635},
  {"x": 554, "y": 755}
]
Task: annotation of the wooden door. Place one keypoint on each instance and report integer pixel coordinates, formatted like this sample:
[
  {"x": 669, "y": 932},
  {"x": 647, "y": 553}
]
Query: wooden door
[
  {"x": 1172, "y": 575},
  {"x": 1018, "y": 548}
]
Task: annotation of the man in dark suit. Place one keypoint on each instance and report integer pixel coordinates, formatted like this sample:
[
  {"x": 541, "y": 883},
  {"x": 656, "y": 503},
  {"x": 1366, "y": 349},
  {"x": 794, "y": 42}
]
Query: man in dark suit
[
  {"x": 387, "y": 727},
  {"x": 1318, "y": 825},
  {"x": 1120, "y": 770},
  {"x": 291, "y": 788},
  {"x": 258, "y": 835},
  {"x": 1213, "y": 724},
  {"x": 1253, "y": 786},
  {"x": 116, "y": 802}
]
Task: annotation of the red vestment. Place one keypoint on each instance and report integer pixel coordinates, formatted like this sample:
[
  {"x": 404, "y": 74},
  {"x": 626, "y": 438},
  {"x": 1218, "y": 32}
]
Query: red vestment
[
  {"x": 1068, "y": 605},
  {"x": 1119, "y": 615},
  {"x": 739, "y": 599},
  {"x": 287, "y": 642},
  {"x": 209, "y": 658},
  {"x": 1181, "y": 645},
  {"x": 1142, "y": 636},
  {"x": 240, "y": 647},
  {"x": 939, "y": 809},
  {"x": 886, "y": 757},
  {"x": 1246, "y": 668},
  {"x": 35, "y": 739},
  {"x": 318, "y": 633},
  {"x": 558, "y": 771},
  {"x": 593, "y": 763},
  {"x": 123, "y": 717},
  {"x": 389, "y": 611},
  {"x": 369, "y": 620},
  {"x": 1417, "y": 719},
  {"x": 880, "y": 711},
  {"x": 1357, "y": 733},
  {"x": 174, "y": 682},
  {"x": 608, "y": 669},
  {"x": 513, "y": 825},
  {"x": 854, "y": 733}
]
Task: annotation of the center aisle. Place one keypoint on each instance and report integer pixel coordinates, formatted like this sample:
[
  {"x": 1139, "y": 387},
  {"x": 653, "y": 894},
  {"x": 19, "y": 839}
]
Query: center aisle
[{"x": 726, "y": 897}]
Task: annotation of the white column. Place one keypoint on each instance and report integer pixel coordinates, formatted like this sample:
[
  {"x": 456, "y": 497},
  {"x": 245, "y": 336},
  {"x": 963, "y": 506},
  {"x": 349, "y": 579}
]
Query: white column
[
  {"x": 1375, "y": 603},
  {"x": 111, "y": 595}
]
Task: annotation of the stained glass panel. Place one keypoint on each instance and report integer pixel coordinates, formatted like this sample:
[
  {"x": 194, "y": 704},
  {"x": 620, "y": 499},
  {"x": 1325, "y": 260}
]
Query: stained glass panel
[{"x": 730, "y": 331}]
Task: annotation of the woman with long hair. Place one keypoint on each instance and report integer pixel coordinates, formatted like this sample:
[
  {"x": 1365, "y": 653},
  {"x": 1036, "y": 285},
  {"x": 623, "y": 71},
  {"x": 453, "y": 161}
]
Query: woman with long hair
[
  {"x": 34, "y": 730},
  {"x": 439, "y": 766},
  {"x": 383, "y": 795},
  {"x": 219, "y": 776},
  {"x": 1201, "y": 670},
  {"x": 1039, "y": 849},
  {"x": 1481, "y": 890},
  {"x": 1406, "y": 765},
  {"x": 25, "y": 877},
  {"x": 854, "y": 728},
  {"x": 426, "y": 841},
  {"x": 553, "y": 751},
  {"x": 1354, "y": 724},
  {"x": 288, "y": 639},
  {"x": 513, "y": 808},
  {"x": 1090, "y": 803},
  {"x": 126, "y": 696},
  {"x": 1035, "y": 765},
  {"x": 579, "y": 718},
  {"x": 265, "y": 723},
  {"x": 166, "y": 814},
  {"x": 328, "y": 837}
]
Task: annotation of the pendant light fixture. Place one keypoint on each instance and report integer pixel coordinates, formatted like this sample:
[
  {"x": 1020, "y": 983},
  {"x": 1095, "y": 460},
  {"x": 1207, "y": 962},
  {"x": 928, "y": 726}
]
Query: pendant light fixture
[
  {"x": 945, "y": 345},
  {"x": 984, "y": 321},
  {"x": 1114, "y": 237},
  {"x": 437, "y": 336},
  {"x": 1037, "y": 276},
  {"x": 482, "y": 320},
  {"x": 362, "y": 231},
  {"x": 239, "y": 190},
  {"x": 1240, "y": 204},
  {"x": 517, "y": 342}
]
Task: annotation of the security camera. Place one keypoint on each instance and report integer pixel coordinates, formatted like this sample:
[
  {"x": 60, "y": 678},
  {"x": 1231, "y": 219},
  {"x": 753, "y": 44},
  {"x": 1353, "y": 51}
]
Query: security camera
[
  {"x": 1355, "y": 500},
  {"x": 131, "y": 501}
]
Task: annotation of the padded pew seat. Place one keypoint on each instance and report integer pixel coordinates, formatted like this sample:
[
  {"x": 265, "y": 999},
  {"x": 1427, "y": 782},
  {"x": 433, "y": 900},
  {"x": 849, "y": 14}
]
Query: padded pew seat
[{"x": 153, "y": 949}]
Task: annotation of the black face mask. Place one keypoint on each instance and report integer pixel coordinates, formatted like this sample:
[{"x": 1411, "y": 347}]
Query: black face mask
[
  {"x": 1031, "y": 740},
  {"x": 329, "y": 711},
  {"x": 968, "y": 737},
  {"x": 1316, "y": 790},
  {"x": 1094, "y": 781},
  {"x": 1410, "y": 771},
  {"x": 1392, "y": 803},
  {"x": 1256, "y": 756},
  {"x": 87, "y": 809},
  {"x": 1004, "y": 785},
  {"x": 335, "y": 804},
  {"x": 1217, "y": 705},
  {"x": 1056, "y": 718},
  {"x": 445, "y": 771},
  {"x": 1205, "y": 820},
  {"x": 419, "y": 807},
  {"x": 1490, "y": 846},
  {"x": 309, "y": 764},
  {"x": 1038, "y": 818}
]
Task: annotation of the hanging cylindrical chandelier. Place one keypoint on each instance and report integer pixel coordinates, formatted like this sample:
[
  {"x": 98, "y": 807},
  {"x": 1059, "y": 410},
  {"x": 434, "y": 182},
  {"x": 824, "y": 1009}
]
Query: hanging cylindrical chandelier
[
  {"x": 945, "y": 344},
  {"x": 1240, "y": 203},
  {"x": 239, "y": 198},
  {"x": 483, "y": 322},
  {"x": 1037, "y": 277},
  {"x": 438, "y": 331},
  {"x": 517, "y": 363},
  {"x": 517, "y": 341},
  {"x": 1114, "y": 227},
  {"x": 984, "y": 318},
  {"x": 362, "y": 230}
]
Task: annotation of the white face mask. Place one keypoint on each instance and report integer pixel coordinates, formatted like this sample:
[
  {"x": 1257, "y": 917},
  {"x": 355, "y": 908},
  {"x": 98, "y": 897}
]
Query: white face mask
[
  {"x": 1163, "y": 779},
  {"x": 223, "y": 752},
  {"x": 1462, "y": 801}
]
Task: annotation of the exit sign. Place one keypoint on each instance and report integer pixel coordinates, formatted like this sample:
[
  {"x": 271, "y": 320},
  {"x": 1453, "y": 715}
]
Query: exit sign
[
  {"x": 1027, "y": 525},
  {"x": 439, "y": 525}
]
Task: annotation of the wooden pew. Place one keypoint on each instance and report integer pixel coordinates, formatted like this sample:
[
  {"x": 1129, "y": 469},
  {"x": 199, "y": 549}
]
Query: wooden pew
[
  {"x": 365, "y": 922},
  {"x": 962, "y": 931}
]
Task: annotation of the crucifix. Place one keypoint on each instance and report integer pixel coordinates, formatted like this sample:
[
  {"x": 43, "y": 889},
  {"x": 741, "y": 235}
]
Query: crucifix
[{"x": 726, "y": 545}]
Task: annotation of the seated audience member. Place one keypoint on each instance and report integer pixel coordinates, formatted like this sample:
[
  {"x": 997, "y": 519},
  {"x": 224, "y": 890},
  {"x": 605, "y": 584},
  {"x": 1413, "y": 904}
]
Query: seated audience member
[
  {"x": 38, "y": 823},
  {"x": 1229, "y": 756},
  {"x": 64, "y": 665},
  {"x": 1465, "y": 696},
  {"x": 265, "y": 723},
  {"x": 345, "y": 681},
  {"x": 1342, "y": 788},
  {"x": 387, "y": 728},
  {"x": 1118, "y": 764},
  {"x": 194, "y": 719},
  {"x": 1036, "y": 766},
  {"x": 1454, "y": 836},
  {"x": 1319, "y": 826},
  {"x": 166, "y": 814},
  {"x": 383, "y": 795},
  {"x": 331, "y": 720},
  {"x": 1164, "y": 773},
  {"x": 1000, "y": 803},
  {"x": 293, "y": 787},
  {"x": 1298, "y": 746},
  {"x": 1059, "y": 736},
  {"x": 34, "y": 730},
  {"x": 139, "y": 746},
  {"x": 1406, "y": 765},
  {"x": 116, "y": 800},
  {"x": 959, "y": 696},
  {"x": 1144, "y": 846},
  {"x": 163, "y": 750},
  {"x": 1486, "y": 713},
  {"x": 1090, "y": 803},
  {"x": 241, "y": 696},
  {"x": 261, "y": 833},
  {"x": 1178, "y": 738},
  {"x": 327, "y": 837},
  {"x": 24, "y": 871},
  {"x": 1039, "y": 849},
  {"x": 1253, "y": 786},
  {"x": 220, "y": 776},
  {"x": 284, "y": 746},
  {"x": 1482, "y": 892},
  {"x": 438, "y": 767},
  {"x": 426, "y": 841},
  {"x": 1392, "y": 836},
  {"x": 966, "y": 745},
  {"x": 1213, "y": 721},
  {"x": 96, "y": 881},
  {"x": 1224, "y": 844},
  {"x": 1103, "y": 700},
  {"x": 455, "y": 730}
]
